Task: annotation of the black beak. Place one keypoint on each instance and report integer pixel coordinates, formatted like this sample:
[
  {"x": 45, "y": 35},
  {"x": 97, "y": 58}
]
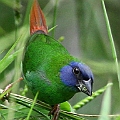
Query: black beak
[{"x": 85, "y": 86}]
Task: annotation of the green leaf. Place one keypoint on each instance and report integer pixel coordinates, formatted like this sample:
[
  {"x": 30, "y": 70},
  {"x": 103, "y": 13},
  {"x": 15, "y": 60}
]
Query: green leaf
[
  {"x": 8, "y": 59},
  {"x": 66, "y": 106},
  {"x": 114, "y": 53},
  {"x": 30, "y": 112},
  {"x": 52, "y": 28},
  {"x": 106, "y": 105},
  {"x": 9, "y": 39},
  {"x": 6, "y": 41}
]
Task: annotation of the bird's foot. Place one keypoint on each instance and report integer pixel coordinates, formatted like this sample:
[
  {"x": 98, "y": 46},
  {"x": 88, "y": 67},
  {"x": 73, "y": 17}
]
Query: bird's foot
[
  {"x": 6, "y": 91},
  {"x": 55, "y": 112}
]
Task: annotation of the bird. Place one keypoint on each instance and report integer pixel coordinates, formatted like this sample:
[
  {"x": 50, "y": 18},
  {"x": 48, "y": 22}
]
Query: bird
[{"x": 48, "y": 68}]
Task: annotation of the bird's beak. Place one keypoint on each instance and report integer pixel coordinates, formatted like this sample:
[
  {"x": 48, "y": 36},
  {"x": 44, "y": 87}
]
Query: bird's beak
[{"x": 85, "y": 87}]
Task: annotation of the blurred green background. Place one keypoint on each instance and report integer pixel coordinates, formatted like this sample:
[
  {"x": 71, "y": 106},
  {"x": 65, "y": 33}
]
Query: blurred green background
[{"x": 82, "y": 24}]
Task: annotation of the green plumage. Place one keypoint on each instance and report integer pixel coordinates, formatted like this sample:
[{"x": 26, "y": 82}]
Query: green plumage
[{"x": 43, "y": 60}]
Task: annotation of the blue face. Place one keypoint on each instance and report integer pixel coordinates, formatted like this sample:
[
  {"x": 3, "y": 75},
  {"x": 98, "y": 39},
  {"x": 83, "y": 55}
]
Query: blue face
[{"x": 78, "y": 76}]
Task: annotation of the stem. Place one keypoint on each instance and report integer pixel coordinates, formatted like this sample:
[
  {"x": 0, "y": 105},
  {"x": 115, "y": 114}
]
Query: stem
[
  {"x": 54, "y": 17},
  {"x": 111, "y": 41}
]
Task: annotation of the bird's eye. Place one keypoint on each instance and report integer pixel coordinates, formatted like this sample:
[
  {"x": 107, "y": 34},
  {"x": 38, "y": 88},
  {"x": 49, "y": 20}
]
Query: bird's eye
[{"x": 76, "y": 71}]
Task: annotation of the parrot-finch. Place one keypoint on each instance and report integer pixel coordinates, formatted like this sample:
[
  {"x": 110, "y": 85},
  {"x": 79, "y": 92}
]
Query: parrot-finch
[{"x": 48, "y": 68}]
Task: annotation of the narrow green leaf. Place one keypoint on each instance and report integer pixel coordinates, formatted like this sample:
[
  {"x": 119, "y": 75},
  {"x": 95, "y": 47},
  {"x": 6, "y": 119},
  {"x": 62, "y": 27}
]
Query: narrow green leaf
[
  {"x": 30, "y": 112},
  {"x": 54, "y": 16},
  {"x": 6, "y": 41},
  {"x": 9, "y": 39},
  {"x": 106, "y": 105},
  {"x": 52, "y": 28},
  {"x": 111, "y": 41},
  {"x": 8, "y": 59}
]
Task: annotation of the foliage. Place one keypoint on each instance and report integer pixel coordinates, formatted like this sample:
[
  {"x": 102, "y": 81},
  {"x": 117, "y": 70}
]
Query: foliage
[
  {"x": 36, "y": 110},
  {"x": 93, "y": 46}
]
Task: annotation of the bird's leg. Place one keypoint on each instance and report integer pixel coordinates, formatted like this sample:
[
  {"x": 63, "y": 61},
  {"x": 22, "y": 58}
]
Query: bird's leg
[
  {"x": 55, "y": 112},
  {"x": 7, "y": 90}
]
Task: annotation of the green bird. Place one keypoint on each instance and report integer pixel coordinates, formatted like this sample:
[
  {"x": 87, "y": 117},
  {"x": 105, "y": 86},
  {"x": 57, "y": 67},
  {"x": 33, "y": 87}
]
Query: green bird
[{"x": 48, "y": 68}]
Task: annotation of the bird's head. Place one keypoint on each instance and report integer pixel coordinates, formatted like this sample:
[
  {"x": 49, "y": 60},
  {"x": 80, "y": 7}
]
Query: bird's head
[{"x": 77, "y": 76}]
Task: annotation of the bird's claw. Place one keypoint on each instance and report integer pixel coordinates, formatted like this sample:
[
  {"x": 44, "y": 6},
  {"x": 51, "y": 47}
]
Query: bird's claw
[{"x": 55, "y": 112}]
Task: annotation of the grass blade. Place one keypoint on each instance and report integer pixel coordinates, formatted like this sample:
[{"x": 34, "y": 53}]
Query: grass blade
[
  {"x": 54, "y": 17},
  {"x": 111, "y": 41},
  {"x": 28, "y": 117},
  {"x": 106, "y": 105}
]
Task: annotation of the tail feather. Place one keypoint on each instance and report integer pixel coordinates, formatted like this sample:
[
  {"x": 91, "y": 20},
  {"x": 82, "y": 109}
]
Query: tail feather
[{"x": 37, "y": 19}]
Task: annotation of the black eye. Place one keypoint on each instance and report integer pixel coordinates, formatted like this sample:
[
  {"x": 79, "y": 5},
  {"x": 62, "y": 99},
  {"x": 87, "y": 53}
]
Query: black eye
[{"x": 76, "y": 71}]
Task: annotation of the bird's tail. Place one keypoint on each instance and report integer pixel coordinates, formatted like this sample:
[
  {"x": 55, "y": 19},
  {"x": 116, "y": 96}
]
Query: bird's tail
[{"x": 37, "y": 19}]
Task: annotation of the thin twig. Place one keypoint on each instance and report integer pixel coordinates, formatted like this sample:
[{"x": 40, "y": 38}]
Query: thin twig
[{"x": 88, "y": 115}]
